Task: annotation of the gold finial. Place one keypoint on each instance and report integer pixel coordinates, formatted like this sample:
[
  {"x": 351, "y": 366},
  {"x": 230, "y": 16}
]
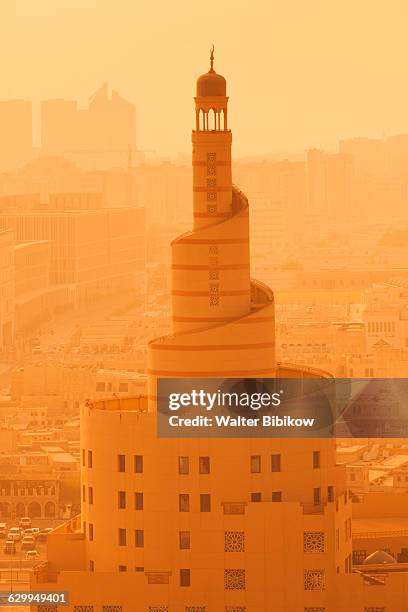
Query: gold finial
[{"x": 212, "y": 58}]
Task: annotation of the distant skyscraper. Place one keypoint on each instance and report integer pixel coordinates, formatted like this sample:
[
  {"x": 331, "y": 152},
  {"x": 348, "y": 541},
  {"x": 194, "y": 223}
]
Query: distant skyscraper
[
  {"x": 15, "y": 134},
  {"x": 100, "y": 136}
]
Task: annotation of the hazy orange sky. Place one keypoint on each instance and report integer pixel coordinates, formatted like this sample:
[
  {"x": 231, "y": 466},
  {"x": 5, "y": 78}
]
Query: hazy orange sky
[{"x": 300, "y": 73}]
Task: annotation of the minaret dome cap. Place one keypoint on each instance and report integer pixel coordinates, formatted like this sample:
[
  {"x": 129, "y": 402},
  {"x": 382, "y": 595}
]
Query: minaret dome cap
[{"x": 211, "y": 83}]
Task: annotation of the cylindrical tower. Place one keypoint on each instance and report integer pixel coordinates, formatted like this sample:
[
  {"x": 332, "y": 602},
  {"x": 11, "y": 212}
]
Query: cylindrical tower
[
  {"x": 223, "y": 322},
  {"x": 212, "y": 180}
]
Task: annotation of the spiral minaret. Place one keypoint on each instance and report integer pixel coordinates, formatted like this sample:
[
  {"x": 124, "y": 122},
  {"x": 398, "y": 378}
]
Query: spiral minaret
[{"x": 223, "y": 321}]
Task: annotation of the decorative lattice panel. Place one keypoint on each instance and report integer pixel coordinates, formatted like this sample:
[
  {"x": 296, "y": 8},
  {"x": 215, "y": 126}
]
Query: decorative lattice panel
[
  {"x": 111, "y": 608},
  {"x": 314, "y": 580},
  {"x": 235, "y": 609},
  {"x": 234, "y": 579},
  {"x": 234, "y": 507},
  {"x": 195, "y": 608},
  {"x": 158, "y": 578},
  {"x": 158, "y": 609},
  {"x": 47, "y": 609},
  {"x": 314, "y": 609},
  {"x": 234, "y": 541},
  {"x": 83, "y": 608},
  {"x": 375, "y": 609},
  {"x": 313, "y": 541}
]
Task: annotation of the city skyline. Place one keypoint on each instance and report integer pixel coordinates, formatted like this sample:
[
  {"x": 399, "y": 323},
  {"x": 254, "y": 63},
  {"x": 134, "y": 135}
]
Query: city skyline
[{"x": 315, "y": 70}]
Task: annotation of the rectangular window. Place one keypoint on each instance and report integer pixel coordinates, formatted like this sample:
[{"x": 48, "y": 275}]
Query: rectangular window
[
  {"x": 138, "y": 464},
  {"x": 184, "y": 540},
  {"x": 204, "y": 465},
  {"x": 122, "y": 568},
  {"x": 184, "y": 502},
  {"x": 139, "y": 568},
  {"x": 122, "y": 536},
  {"x": 205, "y": 502},
  {"x": 183, "y": 465},
  {"x": 83, "y": 457},
  {"x": 91, "y": 532},
  {"x": 330, "y": 493},
  {"x": 83, "y": 493},
  {"x": 276, "y": 496},
  {"x": 90, "y": 495},
  {"x": 121, "y": 500},
  {"x": 91, "y": 566},
  {"x": 316, "y": 460},
  {"x": 139, "y": 538},
  {"x": 275, "y": 463},
  {"x": 89, "y": 458},
  {"x": 138, "y": 501},
  {"x": 121, "y": 463},
  {"x": 255, "y": 464},
  {"x": 256, "y": 497},
  {"x": 184, "y": 577},
  {"x": 316, "y": 496}
]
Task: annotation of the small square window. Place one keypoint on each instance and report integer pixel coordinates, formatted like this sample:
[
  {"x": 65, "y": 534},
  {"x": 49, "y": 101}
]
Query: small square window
[
  {"x": 275, "y": 463},
  {"x": 255, "y": 464},
  {"x": 256, "y": 497},
  {"x": 139, "y": 538},
  {"x": 276, "y": 496},
  {"x": 121, "y": 500},
  {"x": 121, "y": 463},
  {"x": 330, "y": 493},
  {"x": 184, "y": 540},
  {"x": 123, "y": 568},
  {"x": 204, "y": 465},
  {"x": 122, "y": 536},
  {"x": 185, "y": 577},
  {"x": 183, "y": 465},
  {"x": 184, "y": 502},
  {"x": 205, "y": 502},
  {"x": 139, "y": 501},
  {"x": 138, "y": 464}
]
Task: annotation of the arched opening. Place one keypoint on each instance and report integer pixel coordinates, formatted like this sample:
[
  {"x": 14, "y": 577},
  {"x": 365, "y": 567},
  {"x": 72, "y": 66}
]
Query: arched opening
[
  {"x": 222, "y": 120},
  {"x": 20, "y": 509},
  {"x": 34, "y": 510},
  {"x": 211, "y": 120},
  {"x": 201, "y": 122},
  {"x": 49, "y": 509}
]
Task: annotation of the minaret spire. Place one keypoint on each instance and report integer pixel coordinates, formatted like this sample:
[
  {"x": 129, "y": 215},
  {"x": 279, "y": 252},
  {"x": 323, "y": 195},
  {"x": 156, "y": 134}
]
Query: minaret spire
[{"x": 212, "y": 59}]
